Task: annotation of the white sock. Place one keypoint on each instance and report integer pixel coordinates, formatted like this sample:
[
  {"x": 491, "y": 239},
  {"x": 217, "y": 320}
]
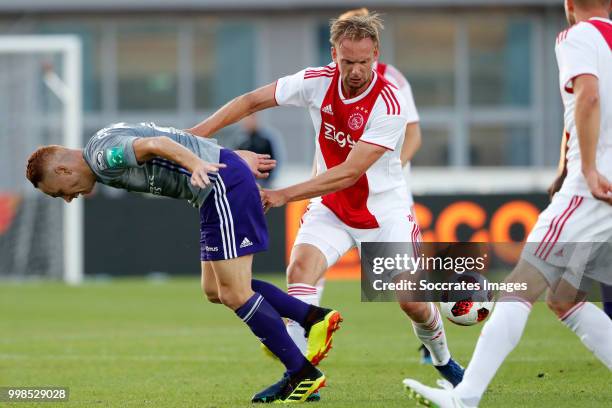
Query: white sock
[
  {"x": 431, "y": 333},
  {"x": 305, "y": 293},
  {"x": 320, "y": 287},
  {"x": 594, "y": 328},
  {"x": 499, "y": 336}
]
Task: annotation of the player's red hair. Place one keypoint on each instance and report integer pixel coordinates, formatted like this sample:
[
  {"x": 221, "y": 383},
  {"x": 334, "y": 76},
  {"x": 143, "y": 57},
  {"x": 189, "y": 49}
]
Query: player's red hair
[{"x": 37, "y": 163}]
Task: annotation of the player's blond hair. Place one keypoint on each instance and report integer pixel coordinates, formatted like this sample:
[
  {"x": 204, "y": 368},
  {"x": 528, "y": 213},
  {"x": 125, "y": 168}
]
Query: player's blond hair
[
  {"x": 355, "y": 28},
  {"x": 359, "y": 12}
]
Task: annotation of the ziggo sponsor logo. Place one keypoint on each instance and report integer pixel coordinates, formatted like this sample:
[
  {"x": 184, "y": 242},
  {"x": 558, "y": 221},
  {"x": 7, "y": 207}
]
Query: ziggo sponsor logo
[{"x": 338, "y": 137}]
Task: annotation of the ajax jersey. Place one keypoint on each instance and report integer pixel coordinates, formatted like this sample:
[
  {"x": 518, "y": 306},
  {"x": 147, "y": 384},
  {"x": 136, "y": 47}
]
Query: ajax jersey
[
  {"x": 586, "y": 49},
  {"x": 377, "y": 116}
]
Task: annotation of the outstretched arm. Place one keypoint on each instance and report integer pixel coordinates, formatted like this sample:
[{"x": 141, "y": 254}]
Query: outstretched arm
[
  {"x": 162, "y": 146},
  {"x": 235, "y": 110},
  {"x": 337, "y": 178}
]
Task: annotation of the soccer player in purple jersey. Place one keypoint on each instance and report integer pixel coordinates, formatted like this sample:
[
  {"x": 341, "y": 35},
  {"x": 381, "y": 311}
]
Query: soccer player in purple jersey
[{"x": 221, "y": 183}]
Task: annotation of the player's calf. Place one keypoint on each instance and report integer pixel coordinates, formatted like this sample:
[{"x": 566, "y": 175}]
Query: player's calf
[{"x": 418, "y": 312}]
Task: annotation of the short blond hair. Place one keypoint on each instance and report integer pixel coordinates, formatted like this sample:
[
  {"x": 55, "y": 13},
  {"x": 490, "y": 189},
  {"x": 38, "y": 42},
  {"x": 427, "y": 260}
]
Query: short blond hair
[
  {"x": 360, "y": 12},
  {"x": 355, "y": 28}
]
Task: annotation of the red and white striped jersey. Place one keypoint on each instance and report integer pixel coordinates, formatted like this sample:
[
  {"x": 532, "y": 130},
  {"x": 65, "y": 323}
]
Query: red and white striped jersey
[
  {"x": 377, "y": 116},
  {"x": 586, "y": 49}
]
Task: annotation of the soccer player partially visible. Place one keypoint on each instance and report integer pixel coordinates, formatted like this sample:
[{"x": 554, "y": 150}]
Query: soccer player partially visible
[
  {"x": 561, "y": 307},
  {"x": 580, "y": 213},
  {"x": 360, "y": 120},
  {"x": 173, "y": 163}
]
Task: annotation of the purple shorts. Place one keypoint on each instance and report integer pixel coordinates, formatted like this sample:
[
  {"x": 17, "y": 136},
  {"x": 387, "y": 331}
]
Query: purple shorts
[{"x": 232, "y": 222}]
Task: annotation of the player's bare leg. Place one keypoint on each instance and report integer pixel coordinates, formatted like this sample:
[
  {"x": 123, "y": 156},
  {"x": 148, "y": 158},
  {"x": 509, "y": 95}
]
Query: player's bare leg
[
  {"x": 307, "y": 266},
  {"x": 590, "y": 323},
  {"x": 209, "y": 283}
]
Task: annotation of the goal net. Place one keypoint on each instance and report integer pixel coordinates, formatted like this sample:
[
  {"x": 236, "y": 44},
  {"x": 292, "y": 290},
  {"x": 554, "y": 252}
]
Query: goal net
[{"x": 40, "y": 104}]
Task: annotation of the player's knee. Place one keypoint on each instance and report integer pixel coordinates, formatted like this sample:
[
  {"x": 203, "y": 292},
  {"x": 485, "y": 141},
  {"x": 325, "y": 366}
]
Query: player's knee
[
  {"x": 417, "y": 311},
  {"x": 299, "y": 271},
  {"x": 211, "y": 293},
  {"x": 232, "y": 299},
  {"x": 212, "y": 296}
]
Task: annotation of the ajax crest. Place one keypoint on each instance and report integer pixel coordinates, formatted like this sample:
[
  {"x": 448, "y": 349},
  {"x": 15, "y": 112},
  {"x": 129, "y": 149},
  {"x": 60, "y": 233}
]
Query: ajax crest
[{"x": 355, "y": 121}]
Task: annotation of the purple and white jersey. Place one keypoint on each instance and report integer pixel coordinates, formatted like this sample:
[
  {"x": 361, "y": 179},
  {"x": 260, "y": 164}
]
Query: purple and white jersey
[{"x": 110, "y": 154}]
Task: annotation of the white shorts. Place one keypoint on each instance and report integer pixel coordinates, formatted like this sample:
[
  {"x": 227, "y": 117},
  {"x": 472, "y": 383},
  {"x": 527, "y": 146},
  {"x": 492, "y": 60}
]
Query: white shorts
[
  {"x": 324, "y": 230},
  {"x": 570, "y": 240}
]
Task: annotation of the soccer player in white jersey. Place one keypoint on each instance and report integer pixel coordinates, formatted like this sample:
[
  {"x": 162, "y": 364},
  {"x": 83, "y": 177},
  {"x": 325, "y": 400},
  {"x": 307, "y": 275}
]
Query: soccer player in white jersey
[
  {"x": 411, "y": 144},
  {"x": 580, "y": 213},
  {"x": 359, "y": 119}
]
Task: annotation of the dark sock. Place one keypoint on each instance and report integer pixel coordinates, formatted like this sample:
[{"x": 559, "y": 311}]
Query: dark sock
[
  {"x": 265, "y": 322},
  {"x": 288, "y": 306}
]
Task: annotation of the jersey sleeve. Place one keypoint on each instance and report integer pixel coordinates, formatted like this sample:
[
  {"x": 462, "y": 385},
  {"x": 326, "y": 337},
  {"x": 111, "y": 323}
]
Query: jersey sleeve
[
  {"x": 290, "y": 90},
  {"x": 399, "y": 80},
  {"x": 411, "y": 114},
  {"x": 385, "y": 130},
  {"x": 576, "y": 54},
  {"x": 111, "y": 151}
]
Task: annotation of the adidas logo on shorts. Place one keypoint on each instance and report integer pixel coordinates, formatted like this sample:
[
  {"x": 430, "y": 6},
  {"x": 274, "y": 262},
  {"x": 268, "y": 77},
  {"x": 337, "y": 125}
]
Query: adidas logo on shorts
[
  {"x": 328, "y": 109},
  {"x": 245, "y": 243}
]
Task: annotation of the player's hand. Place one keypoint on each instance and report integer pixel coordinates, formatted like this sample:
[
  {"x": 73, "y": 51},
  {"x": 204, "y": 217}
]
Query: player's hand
[
  {"x": 272, "y": 198},
  {"x": 599, "y": 186},
  {"x": 260, "y": 164},
  {"x": 199, "y": 174}
]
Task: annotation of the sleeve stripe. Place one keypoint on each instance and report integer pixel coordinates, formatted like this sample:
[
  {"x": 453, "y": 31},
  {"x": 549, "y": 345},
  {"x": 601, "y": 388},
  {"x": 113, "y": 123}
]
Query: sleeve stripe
[
  {"x": 326, "y": 70},
  {"x": 563, "y": 35},
  {"x": 388, "y": 93},
  {"x": 395, "y": 100},
  {"x": 319, "y": 73},
  {"x": 308, "y": 76},
  {"x": 386, "y": 102}
]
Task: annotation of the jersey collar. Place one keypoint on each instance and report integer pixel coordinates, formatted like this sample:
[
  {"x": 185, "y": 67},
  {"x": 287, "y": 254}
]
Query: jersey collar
[
  {"x": 605, "y": 20},
  {"x": 358, "y": 97}
]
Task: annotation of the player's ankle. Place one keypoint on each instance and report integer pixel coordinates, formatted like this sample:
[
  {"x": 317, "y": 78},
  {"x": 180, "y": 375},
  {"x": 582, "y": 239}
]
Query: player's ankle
[{"x": 315, "y": 314}]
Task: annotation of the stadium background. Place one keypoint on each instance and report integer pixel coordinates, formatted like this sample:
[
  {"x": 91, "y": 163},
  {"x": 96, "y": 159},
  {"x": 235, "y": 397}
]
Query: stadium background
[
  {"x": 483, "y": 75},
  {"x": 485, "y": 82}
]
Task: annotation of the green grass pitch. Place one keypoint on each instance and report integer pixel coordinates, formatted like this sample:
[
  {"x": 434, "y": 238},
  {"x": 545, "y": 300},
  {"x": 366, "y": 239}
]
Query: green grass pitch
[{"x": 135, "y": 343}]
